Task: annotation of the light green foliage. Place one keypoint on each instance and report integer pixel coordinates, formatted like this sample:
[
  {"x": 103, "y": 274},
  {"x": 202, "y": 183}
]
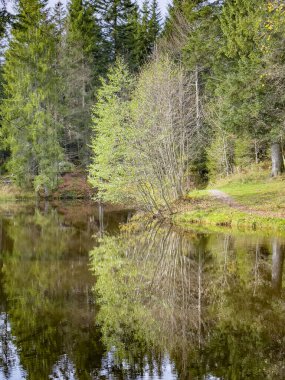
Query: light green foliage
[
  {"x": 141, "y": 292},
  {"x": 193, "y": 31},
  {"x": 126, "y": 325},
  {"x": 30, "y": 126},
  {"x": 110, "y": 171},
  {"x": 196, "y": 296},
  {"x": 164, "y": 135},
  {"x": 244, "y": 153},
  {"x": 220, "y": 155},
  {"x": 177, "y": 121},
  {"x": 142, "y": 147}
]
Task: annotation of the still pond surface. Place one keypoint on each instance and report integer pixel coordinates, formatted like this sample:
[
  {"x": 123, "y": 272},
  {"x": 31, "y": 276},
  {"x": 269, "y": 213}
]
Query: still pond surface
[{"x": 82, "y": 297}]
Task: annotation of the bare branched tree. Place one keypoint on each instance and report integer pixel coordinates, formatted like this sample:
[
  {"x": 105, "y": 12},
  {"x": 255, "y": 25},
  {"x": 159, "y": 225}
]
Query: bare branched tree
[{"x": 166, "y": 131}]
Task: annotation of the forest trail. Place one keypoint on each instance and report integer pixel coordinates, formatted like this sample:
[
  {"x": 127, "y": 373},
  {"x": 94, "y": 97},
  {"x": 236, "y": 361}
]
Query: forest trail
[
  {"x": 224, "y": 197},
  {"x": 228, "y": 200}
]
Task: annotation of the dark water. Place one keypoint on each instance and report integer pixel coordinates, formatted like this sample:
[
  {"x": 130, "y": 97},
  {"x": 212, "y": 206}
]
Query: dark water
[{"x": 82, "y": 298}]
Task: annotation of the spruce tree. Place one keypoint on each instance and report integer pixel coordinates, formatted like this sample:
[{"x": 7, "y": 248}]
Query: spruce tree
[
  {"x": 248, "y": 97},
  {"x": 30, "y": 127},
  {"x": 59, "y": 18},
  {"x": 110, "y": 171},
  {"x": 241, "y": 87},
  {"x": 6, "y": 19},
  {"x": 118, "y": 20},
  {"x": 154, "y": 23},
  {"x": 240, "y": 23},
  {"x": 149, "y": 29},
  {"x": 82, "y": 68}
]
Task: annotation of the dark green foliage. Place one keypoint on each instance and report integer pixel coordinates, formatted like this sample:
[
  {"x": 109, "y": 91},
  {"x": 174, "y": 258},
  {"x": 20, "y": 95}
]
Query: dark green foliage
[
  {"x": 81, "y": 69},
  {"x": 116, "y": 20},
  {"x": 30, "y": 126},
  {"x": 128, "y": 32},
  {"x": 246, "y": 99},
  {"x": 240, "y": 22}
]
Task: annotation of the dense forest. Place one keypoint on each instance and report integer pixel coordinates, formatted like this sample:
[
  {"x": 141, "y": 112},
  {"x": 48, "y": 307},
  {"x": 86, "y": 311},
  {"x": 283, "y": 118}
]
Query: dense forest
[{"x": 149, "y": 109}]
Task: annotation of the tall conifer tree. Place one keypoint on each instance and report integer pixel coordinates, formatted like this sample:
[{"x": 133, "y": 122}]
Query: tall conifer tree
[
  {"x": 119, "y": 22},
  {"x": 82, "y": 68},
  {"x": 30, "y": 129},
  {"x": 148, "y": 30}
]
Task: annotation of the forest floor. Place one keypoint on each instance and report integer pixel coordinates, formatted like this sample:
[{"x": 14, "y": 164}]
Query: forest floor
[
  {"x": 251, "y": 200},
  {"x": 74, "y": 185}
]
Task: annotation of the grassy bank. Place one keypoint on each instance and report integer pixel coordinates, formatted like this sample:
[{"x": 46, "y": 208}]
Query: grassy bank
[
  {"x": 11, "y": 192},
  {"x": 257, "y": 202},
  {"x": 73, "y": 185}
]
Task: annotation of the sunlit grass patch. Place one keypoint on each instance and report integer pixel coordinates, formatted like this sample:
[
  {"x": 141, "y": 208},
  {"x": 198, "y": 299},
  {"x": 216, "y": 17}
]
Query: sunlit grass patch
[
  {"x": 227, "y": 217},
  {"x": 259, "y": 203}
]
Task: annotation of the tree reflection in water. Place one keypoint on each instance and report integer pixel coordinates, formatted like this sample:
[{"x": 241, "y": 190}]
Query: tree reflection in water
[
  {"x": 167, "y": 304},
  {"x": 47, "y": 325},
  {"x": 208, "y": 300}
]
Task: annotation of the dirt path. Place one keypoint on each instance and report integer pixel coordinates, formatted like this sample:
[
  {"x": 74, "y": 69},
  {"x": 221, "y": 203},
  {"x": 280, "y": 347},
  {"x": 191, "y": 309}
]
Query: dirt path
[
  {"x": 225, "y": 198},
  {"x": 228, "y": 200}
]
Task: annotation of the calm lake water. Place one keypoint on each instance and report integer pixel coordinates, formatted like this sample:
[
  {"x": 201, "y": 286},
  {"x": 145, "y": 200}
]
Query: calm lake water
[{"x": 82, "y": 297}]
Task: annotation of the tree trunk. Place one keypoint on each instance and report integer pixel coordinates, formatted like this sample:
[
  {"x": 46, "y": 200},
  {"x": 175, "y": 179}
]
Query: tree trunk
[
  {"x": 46, "y": 190},
  {"x": 198, "y": 116},
  {"x": 277, "y": 265},
  {"x": 101, "y": 219},
  {"x": 277, "y": 160}
]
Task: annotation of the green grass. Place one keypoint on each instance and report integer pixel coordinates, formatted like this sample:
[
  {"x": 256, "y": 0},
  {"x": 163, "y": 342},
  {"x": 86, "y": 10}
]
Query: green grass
[
  {"x": 266, "y": 196},
  {"x": 228, "y": 217},
  {"x": 260, "y": 197}
]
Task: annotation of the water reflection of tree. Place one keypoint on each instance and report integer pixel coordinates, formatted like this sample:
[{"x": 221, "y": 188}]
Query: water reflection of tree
[
  {"x": 151, "y": 285},
  {"x": 46, "y": 296},
  {"x": 205, "y": 299}
]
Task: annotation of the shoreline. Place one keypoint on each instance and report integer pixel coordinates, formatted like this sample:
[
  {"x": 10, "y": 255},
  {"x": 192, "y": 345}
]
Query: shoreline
[{"x": 220, "y": 213}]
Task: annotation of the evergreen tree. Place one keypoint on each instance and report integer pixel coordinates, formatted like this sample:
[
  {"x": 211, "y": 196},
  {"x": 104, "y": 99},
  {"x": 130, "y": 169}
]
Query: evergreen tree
[
  {"x": 119, "y": 22},
  {"x": 59, "y": 18},
  {"x": 194, "y": 26},
  {"x": 6, "y": 19},
  {"x": 110, "y": 171},
  {"x": 30, "y": 127},
  {"x": 143, "y": 40},
  {"x": 149, "y": 30},
  {"x": 240, "y": 23},
  {"x": 246, "y": 96},
  {"x": 173, "y": 9},
  {"x": 82, "y": 69},
  {"x": 154, "y": 23}
]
